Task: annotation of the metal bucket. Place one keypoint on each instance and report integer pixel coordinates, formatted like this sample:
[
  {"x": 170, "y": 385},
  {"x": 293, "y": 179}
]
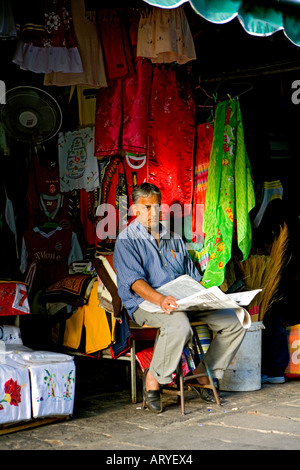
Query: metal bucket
[{"x": 244, "y": 371}]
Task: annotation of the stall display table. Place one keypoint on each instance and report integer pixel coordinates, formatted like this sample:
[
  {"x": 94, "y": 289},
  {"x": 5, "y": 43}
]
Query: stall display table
[{"x": 36, "y": 387}]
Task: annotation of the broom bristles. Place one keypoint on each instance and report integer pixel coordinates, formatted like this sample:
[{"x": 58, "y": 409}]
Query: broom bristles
[
  {"x": 264, "y": 272},
  {"x": 277, "y": 263}
]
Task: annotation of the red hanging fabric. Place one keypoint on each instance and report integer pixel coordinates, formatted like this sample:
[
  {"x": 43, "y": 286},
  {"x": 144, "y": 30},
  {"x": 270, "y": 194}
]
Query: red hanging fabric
[
  {"x": 122, "y": 113},
  {"x": 171, "y": 128},
  {"x": 204, "y": 137}
]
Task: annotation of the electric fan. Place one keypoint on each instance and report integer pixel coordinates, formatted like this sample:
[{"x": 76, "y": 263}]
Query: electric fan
[{"x": 30, "y": 115}]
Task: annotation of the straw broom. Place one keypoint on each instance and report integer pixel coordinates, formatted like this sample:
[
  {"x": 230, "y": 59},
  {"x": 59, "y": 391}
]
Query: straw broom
[
  {"x": 264, "y": 272},
  {"x": 278, "y": 259},
  {"x": 254, "y": 271}
]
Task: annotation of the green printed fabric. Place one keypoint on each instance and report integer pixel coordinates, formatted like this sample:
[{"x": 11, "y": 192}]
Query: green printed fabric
[{"x": 229, "y": 195}]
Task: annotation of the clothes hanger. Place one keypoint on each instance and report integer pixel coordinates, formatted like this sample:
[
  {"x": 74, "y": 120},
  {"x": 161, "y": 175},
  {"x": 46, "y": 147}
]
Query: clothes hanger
[
  {"x": 228, "y": 84},
  {"x": 48, "y": 225},
  {"x": 250, "y": 87},
  {"x": 209, "y": 97}
]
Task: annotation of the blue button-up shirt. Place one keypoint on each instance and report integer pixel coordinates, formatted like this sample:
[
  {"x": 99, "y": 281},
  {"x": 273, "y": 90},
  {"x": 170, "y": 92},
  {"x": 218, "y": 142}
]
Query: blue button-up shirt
[{"x": 137, "y": 256}]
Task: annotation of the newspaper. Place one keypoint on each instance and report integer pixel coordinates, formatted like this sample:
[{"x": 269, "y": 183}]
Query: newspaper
[{"x": 191, "y": 295}]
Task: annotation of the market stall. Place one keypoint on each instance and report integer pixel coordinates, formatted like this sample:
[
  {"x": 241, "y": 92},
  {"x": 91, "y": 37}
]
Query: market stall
[{"x": 98, "y": 100}]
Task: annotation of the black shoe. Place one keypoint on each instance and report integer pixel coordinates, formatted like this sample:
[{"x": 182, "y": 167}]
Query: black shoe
[
  {"x": 206, "y": 394},
  {"x": 151, "y": 398}
]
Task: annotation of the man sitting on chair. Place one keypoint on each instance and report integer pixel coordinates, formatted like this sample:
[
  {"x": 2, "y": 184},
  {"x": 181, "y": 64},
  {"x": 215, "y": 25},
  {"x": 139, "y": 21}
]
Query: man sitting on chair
[{"x": 146, "y": 256}]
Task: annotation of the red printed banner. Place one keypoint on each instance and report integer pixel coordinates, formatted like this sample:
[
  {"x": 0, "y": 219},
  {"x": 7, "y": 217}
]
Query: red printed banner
[{"x": 13, "y": 298}]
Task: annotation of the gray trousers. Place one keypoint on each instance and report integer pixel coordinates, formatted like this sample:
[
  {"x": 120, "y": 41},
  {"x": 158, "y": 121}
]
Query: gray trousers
[{"x": 176, "y": 332}]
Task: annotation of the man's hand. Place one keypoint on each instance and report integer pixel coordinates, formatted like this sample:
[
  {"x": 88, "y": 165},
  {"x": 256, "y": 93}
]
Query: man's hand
[{"x": 168, "y": 303}]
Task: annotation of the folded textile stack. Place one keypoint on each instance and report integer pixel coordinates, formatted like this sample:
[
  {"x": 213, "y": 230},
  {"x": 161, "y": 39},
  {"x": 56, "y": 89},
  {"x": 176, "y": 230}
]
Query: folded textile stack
[
  {"x": 34, "y": 384},
  {"x": 15, "y": 398},
  {"x": 52, "y": 378}
]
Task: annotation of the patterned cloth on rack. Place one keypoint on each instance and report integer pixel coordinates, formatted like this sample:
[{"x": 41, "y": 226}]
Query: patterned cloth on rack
[
  {"x": 230, "y": 194},
  {"x": 78, "y": 168}
]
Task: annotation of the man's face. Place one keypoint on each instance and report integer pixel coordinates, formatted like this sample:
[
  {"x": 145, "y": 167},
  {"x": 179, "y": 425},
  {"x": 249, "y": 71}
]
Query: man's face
[{"x": 147, "y": 211}]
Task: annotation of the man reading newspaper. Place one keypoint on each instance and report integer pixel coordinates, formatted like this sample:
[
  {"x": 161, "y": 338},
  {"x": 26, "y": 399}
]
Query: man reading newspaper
[{"x": 146, "y": 257}]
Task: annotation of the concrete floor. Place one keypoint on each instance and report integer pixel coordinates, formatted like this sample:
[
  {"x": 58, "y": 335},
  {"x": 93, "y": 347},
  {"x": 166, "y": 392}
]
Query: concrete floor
[{"x": 105, "y": 419}]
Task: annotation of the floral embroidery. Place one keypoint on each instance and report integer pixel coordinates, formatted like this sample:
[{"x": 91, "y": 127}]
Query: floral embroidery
[
  {"x": 52, "y": 21},
  {"x": 12, "y": 393}
]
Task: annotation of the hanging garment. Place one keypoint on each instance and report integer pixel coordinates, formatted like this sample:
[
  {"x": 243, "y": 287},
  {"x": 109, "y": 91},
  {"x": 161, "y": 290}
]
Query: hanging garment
[
  {"x": 4, "y": 141},
  {"x": 230, "y": 194},
  {"x": 43, "y": 176},
  {"x": 8, "y": 237},
  {"x": 272, "y": 190},
  {"x": 44, "y": 201},
  {"x": 193, "y": 226},
  {"x": 113, "y": 209},
  {"x": 116, "y": 42},
  {"x": 122, "y": 113},
  {"x": 99, "y": 326},
  {"x": 171, "y": 131},
  {"x": 86, "y": 99},
  {"x": 53, "y": 209},
  {"x": 136, "y": 171},
  {"x": 7, "y": 21},
  {"x": 46, "y": 257},
  {"x": 43, "y": 179},
  {"x": 204, "y": 138},
  {"x": 47, "y": 39},
  {"x": 78, "y": 168},
  {"x": 164, "y": 36},
  {"x": 122, "y": 108},
  {"x": 88, "y": 216},
  {"x": 119, "y": 177},
  {"x": 10, "y": 219},
  {"x": 90, "y": 50}
]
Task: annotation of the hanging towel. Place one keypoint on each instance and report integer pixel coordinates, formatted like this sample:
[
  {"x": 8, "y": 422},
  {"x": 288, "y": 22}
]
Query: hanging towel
[
  {"x": 78, "y": 168},
  {"x": 229, "y": 195}
]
